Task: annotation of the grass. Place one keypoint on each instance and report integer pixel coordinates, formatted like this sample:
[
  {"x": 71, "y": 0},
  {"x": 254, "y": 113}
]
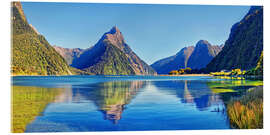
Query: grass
[{"x": 246, "y": 112}]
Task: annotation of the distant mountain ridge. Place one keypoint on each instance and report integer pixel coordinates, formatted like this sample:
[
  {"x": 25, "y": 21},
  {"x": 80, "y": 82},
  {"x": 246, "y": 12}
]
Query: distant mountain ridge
[
  {"x": 203, "y": 53},
  {"x": 194, "y": 57},
  {"x": 179, "y": 60},
  {"x": 31, "y": 52},
  {"x": 69, "y": 54},
  {"x": 111, "y": 56},
  {"x": 244, "y": 45}
]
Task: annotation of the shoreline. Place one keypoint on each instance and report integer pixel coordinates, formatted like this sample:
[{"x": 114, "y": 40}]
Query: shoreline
[
  {"x": 122, "y": 75},
  {"x": 183, "y": 75},
  {"x": 146, "y": 75},
  {"x": 188, "y": 75}
]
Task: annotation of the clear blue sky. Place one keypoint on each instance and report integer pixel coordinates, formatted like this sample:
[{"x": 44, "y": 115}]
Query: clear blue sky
[{"x": 152, "y": 31}]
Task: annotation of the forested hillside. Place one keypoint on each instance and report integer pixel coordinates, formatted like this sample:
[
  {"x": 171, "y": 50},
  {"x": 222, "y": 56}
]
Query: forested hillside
[
  {"x": 243, "y": 48},
  {"x": 31, "y": 52}
]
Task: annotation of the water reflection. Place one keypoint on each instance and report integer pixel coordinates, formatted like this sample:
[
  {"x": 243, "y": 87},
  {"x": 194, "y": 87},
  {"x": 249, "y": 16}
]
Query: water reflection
[
  {"x": 29, "y": 102},
  {"x": 191, "y": 92},
  {"x": 188, "y": 98},
  {"x": 95, "y": 106},
  {"x": 111, "y": 97},
  {"x": 227, "y": 89}
]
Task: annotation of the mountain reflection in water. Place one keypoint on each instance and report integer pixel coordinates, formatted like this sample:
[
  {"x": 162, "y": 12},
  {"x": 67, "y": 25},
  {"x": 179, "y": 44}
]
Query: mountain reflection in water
[
  {"x": 109, "y": 97},
  {"x": 129, "y": 103},
  {"x": 192, "y": 92}
]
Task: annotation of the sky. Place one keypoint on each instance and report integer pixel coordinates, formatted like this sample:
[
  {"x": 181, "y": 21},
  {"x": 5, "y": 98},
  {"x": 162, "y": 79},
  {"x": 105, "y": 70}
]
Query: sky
[{"x": 152, "y": 31}]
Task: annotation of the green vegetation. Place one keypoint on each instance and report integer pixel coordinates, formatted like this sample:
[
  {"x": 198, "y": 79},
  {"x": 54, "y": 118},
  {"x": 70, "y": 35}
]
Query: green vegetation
[
  {"x": 31, "y": 52},
  {"x": 234, "y": 85},
  {"x": 233, "y": 72},
  {"x": 243, "y": 48},
  {"x": 244, "y": 107},
  {"x": 258, "y": 70},
  {"x": 76, "y": 71},
  {"x": 181, "y": 71},
  {"x": 27, "y": 103},
  {"x": 246, "y": 112},
  {"x": 112, "y": 62}
]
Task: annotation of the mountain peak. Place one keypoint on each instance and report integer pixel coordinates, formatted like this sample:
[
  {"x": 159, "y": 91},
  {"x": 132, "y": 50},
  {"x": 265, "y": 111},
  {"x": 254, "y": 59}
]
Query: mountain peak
[
  {"x": 203, "y": 53},
  {"x": 114, "y": 37},
  {"x": 112, "y": 56},
  {"x": 114, "y": 30},
  {"x": 253, "y": 9},
  {"x": 203, "y": 42},
  {"x": 18, "y": 5},
  {"x": 24, "y": 38}
]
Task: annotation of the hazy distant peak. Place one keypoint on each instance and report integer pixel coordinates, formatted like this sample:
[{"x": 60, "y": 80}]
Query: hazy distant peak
[
  {"x": 188, "y": 48},
  {"x": 68, "y": 53}
]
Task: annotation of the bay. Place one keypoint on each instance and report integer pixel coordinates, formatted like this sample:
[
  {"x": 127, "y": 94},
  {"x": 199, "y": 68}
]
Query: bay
[{"x": 122, "y": 103}]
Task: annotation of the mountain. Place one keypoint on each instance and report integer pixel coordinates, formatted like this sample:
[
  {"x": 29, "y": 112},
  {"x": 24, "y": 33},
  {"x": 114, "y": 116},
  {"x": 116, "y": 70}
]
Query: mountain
[
  {"x": 244, "y": 45},
  {"x": 112, "y": 56},
  {"x": 31, "y": 52},
  {"x": 69, "y": 54},
  {"x": 203, "y": 53},
  {"x": 259, "y": 66},
  {"x": 194, "y": 57},
  {"x": 179, "y": 60}
]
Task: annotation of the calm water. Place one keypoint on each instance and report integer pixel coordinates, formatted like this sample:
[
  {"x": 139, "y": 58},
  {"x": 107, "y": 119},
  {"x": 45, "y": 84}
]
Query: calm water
[{"x": 120, "y": 103}]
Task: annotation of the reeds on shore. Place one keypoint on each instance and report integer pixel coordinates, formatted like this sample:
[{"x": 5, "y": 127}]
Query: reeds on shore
[{"x": 246, "y": 112}]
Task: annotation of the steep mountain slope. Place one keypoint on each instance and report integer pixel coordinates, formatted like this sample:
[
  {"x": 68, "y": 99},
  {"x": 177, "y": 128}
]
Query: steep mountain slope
[
  {"x": 31, "y": 53},
  {"x": 194, "y": 57},
  {"x": 259, "y": 67},
  {"x": 244, "y": 45},
  {"x": 68, "y": 53},
  {"x": 112, "y": 56},
  {"x": 179, "y": 60},
  {"x": 203, "y": 53}
]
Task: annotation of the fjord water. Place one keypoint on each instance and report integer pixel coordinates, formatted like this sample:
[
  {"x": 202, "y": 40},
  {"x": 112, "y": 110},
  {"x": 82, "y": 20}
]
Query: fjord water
[{"x": 121, "y": 103}]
